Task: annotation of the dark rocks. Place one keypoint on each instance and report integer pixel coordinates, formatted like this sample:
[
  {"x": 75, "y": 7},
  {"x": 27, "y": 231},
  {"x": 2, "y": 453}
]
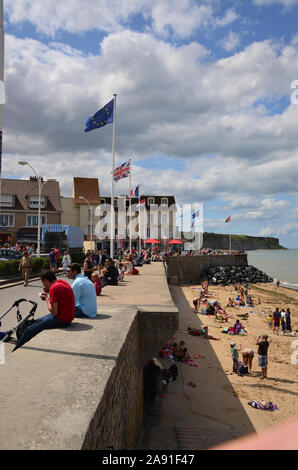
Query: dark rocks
[{"x": 231, "y": 274}]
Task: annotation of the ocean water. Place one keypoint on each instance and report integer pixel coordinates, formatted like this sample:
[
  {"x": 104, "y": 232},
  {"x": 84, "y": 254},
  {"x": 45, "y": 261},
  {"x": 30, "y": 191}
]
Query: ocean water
[{"x": 279, "y": 264}]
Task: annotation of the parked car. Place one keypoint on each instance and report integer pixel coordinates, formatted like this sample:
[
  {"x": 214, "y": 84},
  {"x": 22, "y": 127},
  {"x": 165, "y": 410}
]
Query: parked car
[{"x": 6, "y": 255}]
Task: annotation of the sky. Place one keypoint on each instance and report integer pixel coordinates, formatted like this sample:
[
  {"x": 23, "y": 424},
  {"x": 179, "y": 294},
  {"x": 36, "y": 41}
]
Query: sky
[{"x": 207, "y": 102}]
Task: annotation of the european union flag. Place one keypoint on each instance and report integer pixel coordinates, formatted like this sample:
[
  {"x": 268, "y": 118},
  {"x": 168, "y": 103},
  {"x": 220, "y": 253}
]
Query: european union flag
[{"x": 101, "y": 118}]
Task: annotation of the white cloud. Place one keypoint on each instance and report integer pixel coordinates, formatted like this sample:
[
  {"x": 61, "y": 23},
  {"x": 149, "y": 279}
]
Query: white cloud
[
  {"x": 229, "y": 17},
  {"x": 169, "y": 17},
  {"x": 230, "y": 42},
  {"x": 285, "y": 3}
]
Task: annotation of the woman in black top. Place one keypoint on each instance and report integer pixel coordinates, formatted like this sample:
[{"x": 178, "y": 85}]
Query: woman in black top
[{"x": 88, "y": 266}]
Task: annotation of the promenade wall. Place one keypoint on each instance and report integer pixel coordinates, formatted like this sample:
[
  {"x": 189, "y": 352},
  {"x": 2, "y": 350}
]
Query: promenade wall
[
  {"x": 184, "y": 269},
  {"x": 82, "y": 387}
]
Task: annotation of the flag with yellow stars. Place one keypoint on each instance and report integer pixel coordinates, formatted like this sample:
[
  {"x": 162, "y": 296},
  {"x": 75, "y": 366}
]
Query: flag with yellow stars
[{"x": 101, "y": 118}]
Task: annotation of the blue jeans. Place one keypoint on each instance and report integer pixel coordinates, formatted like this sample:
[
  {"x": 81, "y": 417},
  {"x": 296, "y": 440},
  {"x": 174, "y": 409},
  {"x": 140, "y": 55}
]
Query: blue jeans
[
  {"x": 79, "y": 313},
  {"x": 44, "y": 323}
]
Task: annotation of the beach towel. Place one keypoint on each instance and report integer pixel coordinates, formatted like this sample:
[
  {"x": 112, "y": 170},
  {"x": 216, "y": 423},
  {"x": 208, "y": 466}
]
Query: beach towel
[
  {"x": 263, "y": 405},
  {"x": 190, "y": 362}
]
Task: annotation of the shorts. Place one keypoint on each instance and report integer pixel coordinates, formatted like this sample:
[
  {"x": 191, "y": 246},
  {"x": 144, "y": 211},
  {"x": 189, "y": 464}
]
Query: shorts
[{"x": 263, "y": 361}]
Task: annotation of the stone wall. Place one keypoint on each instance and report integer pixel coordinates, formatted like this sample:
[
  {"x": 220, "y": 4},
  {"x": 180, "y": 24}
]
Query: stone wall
[
  {"x": 81, "y": 387},
  {"x": 184, "y": 269},
  {"x": 117, "y": 423}
]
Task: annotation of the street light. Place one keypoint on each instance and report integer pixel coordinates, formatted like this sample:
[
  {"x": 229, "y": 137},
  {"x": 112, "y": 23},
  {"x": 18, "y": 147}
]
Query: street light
[
  {"x": 39, "y": 197},
  {"x": 90, "y": 208}
]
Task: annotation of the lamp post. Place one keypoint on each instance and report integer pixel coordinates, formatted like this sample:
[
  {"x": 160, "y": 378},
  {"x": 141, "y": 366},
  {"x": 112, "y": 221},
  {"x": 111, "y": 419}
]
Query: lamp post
[
  {"x": 90, "y": 208},
  {"x": 39, "y": 197}
]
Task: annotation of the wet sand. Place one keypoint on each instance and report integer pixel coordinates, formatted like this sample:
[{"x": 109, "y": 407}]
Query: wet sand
[{"x": 215, "y": 408}]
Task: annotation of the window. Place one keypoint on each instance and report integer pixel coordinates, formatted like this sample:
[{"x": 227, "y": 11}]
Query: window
[
  {"x": 150, "y": 201},
  {"x": 7, "y": 200},
  {"x": 33, "y": 202},
  {"x": 7, "y": 220},
  {"x": 148, "y": 232},
  {"x": 115, "y": 202},
  {"x": 164, "y": 219},
  {"x": 164, "y": 201},
  {"x": 102, "y": 201},
  {"x": 32, "y": 220}
]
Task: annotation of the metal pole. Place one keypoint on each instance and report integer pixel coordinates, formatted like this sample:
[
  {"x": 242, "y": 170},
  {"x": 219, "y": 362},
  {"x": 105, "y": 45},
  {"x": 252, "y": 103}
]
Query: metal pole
[
  {"x": 112, "y": 195},
  {"x": 1, "y": 91},
  {"x": 129, "y": 206},
  {"x": 38, "y": 224}
]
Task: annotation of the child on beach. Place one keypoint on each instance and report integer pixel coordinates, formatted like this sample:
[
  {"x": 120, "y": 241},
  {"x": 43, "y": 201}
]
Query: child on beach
[
  {"x": 270, "y": 321},
  {"x": 235, "y": 355}
]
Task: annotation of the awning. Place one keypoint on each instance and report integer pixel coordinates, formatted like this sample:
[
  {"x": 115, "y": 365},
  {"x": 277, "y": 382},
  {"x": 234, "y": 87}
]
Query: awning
[{"x": 75, "y": 235}]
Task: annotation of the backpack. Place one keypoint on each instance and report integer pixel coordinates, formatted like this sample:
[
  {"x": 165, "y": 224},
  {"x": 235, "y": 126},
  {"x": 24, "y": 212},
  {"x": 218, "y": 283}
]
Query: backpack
[{"x": 20, "y": 329}]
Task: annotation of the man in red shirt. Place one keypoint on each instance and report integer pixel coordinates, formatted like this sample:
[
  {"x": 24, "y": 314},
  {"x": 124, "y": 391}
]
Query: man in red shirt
[{"x": 60, "y": 300}]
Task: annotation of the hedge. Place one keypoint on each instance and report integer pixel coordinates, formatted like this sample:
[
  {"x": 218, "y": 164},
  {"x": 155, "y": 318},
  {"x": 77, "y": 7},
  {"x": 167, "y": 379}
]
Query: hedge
[{"x": 11, "y": 267}]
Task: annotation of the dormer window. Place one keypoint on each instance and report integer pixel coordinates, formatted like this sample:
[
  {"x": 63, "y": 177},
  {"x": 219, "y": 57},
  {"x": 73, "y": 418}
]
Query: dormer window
[
  {"x": 34, "y": 201},
  {"x": 151, "y": 201},
  {"x": 164, "y": 201},
  {"x": 7, "y": 200}
]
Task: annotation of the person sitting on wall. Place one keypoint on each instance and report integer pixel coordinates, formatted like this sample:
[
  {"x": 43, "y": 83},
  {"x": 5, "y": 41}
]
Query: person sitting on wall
[
  {"x": 84, "y": 292},
  {"x": 110, "y": 273}
]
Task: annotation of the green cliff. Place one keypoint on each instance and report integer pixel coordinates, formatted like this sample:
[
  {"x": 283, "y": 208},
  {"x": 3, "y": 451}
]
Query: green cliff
[{"x": 240, "y": 242}]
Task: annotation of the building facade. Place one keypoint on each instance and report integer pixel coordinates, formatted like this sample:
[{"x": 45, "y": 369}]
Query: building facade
[
  {"x": 92, "y": 212},
  {"x": 19, "y": 202}
]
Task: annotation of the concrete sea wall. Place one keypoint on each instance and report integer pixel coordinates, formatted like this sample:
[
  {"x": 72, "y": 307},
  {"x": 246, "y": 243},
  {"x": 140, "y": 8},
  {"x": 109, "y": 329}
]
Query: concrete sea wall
[
  {"x": 184, "y": 269},
  {"x": 82, "y": 387}
]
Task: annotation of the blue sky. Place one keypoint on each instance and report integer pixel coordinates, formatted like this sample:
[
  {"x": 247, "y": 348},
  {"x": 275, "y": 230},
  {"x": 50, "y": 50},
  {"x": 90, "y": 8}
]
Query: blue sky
[{"x": 204, "y": 105}]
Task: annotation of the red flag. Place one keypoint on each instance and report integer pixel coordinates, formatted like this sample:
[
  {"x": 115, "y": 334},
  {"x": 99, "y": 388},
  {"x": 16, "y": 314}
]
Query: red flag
[{"x": 228, "y": 219}]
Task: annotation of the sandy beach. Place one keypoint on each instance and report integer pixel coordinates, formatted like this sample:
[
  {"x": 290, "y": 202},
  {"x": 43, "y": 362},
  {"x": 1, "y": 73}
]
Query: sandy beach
[{"x": 214, "y": 409}]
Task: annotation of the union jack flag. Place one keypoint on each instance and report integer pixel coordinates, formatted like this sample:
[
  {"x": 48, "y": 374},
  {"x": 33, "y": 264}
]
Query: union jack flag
[{"x": 122, "y": 171}]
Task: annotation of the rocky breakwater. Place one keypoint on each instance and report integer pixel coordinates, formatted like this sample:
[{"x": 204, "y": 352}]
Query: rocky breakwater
[{"x": 231, "y": 274}]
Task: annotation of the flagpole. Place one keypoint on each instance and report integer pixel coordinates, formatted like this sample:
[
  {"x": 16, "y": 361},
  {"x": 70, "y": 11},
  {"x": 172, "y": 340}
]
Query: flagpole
[
  {"x": 230, "y": 242},
  {"x": 140, "y": 241},
  {"x": 1, "y": 90},
  {"x": 129, "y": 205},
  {"x": 113, "y": 182}
]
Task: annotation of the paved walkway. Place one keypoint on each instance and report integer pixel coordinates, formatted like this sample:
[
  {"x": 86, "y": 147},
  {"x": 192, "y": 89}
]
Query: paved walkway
[{"x": 51, "y": 387}]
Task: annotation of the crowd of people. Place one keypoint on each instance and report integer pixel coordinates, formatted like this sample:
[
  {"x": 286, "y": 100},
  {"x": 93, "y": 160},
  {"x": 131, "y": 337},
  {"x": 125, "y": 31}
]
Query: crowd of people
[
  {"x": 206, "y": 304},
  {"x": 78, "y": 300}
]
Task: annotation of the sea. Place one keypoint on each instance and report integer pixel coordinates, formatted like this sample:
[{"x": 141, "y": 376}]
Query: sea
[{"x": 279, "y": 264}]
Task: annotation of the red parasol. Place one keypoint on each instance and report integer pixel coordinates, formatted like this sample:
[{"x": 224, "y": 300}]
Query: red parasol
[
  {"x": 152, "y": 240},
  {"x": 175, "y": 242}
]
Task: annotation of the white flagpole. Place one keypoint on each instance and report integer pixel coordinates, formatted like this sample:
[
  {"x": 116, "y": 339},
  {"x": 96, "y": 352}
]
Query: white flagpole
[
  {"x": 129, "y": 205},
  {"x": 140, "y": 240},
  {"x": 112, "y": 196},
  {"x": 1, "y": 89}
]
